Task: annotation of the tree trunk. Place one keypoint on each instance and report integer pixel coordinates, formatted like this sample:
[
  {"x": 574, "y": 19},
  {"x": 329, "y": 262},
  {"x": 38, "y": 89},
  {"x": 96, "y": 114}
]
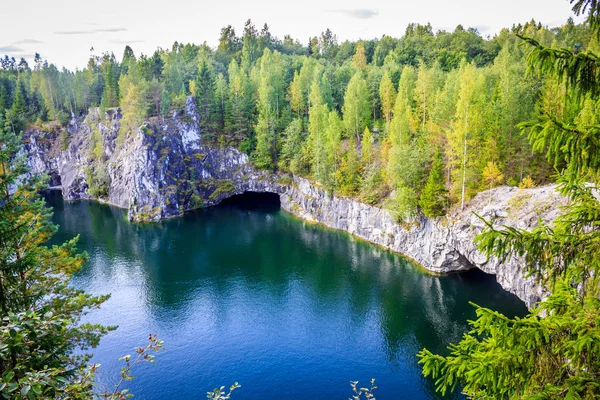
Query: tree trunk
[{"x": 464, "y": 175}]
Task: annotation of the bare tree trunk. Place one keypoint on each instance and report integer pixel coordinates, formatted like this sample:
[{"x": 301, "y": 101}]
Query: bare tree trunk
[{"x": 464, "y": 174}]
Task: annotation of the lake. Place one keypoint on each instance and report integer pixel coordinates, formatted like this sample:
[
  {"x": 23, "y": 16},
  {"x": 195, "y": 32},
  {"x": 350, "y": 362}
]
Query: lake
[{"x": 249, "y": 293}]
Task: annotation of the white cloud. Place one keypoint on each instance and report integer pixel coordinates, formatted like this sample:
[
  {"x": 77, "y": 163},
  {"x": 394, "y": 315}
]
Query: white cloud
[{"x": 359, "y": 13}]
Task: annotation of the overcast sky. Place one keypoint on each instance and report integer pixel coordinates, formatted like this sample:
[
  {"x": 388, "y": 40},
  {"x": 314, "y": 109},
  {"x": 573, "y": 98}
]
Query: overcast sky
[{"x": 63, "y": 31}]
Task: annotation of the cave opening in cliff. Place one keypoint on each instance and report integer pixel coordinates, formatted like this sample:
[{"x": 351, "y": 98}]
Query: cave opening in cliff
[{"x": 253, "y": 201}]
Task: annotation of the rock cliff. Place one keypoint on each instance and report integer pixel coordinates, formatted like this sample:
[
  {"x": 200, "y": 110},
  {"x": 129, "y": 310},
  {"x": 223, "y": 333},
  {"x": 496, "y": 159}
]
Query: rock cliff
[
  {"x": 165, "y": 168},
  {"x": 442, "y": 245}
]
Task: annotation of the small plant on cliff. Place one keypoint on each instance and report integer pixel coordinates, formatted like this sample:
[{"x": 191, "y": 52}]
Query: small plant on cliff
[
  {"x": 492, "y": 176},
  {"x": 98, "y": 180},
  {"x": 223, "y": 187},
  {"x": 64, "y": 140},
  {"x": 196, "y": 201},
  {"x": 554, "y": 352},
  {"x": 527, "y": 183}
]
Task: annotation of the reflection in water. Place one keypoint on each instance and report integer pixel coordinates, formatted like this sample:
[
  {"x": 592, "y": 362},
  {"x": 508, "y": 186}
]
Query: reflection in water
[{"x": 244, "y": 292}]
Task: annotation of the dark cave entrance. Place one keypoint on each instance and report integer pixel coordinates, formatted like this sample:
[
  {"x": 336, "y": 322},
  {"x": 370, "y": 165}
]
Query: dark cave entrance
[{"x": 253, "y": 201}]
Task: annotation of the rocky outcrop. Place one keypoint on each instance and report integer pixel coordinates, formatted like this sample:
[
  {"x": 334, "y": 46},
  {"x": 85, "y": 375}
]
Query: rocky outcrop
[
  {"x": 164, "y": 169},
  {"x": 440, "y": 245}
]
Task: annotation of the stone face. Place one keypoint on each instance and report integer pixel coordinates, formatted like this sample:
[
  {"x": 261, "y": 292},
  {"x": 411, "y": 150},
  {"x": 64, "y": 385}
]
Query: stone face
[
  {"x": 441, "y": 245},
  {"x": 164, "y": 169}
]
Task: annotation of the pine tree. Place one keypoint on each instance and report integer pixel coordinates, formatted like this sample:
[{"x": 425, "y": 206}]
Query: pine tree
[
  {"x": 240, "y": 115},
  {"x": 426, "y": 86},
  {"x": 348, "y": 173},
  {"x": 434, "y": 197},
  {"x": 205, "y": 87},
  {"x": 20, "y": 105},
  {"x": 407, "y": 158},
  {"x": 250, "y": 50},
  {"x": 333, "y": 134},
  {"x": 5, "y": 100},
  {"x": 292, "y": 149},
  {"x": 110, "y": 97},
  {"x": 134, "y": 105},
  {"x": 467, "y": 126},
  {"x": 222, "y": 102}
]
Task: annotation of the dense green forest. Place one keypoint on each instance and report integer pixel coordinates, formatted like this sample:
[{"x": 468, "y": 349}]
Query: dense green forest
[{"x": 429, "y": 116}]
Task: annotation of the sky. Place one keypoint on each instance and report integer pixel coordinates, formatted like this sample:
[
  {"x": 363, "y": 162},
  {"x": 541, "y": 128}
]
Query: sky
[{"x": 64, "y": 31}]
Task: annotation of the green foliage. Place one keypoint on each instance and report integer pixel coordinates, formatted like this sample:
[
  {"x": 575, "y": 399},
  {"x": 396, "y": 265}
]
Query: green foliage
[
  {"x": 291, "y": 158},
  {"x": 98, "y": 180},
  {"x": 142, "y": 355},
  {"x": 39, "y": 309},
  {"x": 134, "y": 105},
  {"x": 196, "y": 201},
  {"x": 372, "y": 186},
  {"x": 527, "y": 183},
  {"x": 387, "y": 93},
  {"x": 366, "y": 147},
  {"x": 223, "y": 187},
  {"x": 204, "y": 89},
  {"x": 64, "y": 140},
  {"x": 357, "y": 112},
  {"x": 221, "y": 393},
  {"x": 403, "y": 204},
  {"x": 553, "y": 352},
  {"x": 270, "y": 106},
  {"x": 347, "y": 175},
  {"x": 434, "y": 197}
]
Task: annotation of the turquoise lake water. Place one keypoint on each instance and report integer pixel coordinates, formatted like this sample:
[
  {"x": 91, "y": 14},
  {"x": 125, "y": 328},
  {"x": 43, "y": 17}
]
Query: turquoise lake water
[{"x": 249, "y": 293}]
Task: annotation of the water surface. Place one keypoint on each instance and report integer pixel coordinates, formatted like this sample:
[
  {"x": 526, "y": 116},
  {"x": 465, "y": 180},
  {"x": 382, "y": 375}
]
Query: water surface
[{"x": 245, "y": 292}]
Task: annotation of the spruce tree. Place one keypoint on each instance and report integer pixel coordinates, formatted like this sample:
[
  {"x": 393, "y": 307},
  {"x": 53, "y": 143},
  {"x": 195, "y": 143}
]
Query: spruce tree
[
  {"x": 434, "y": 197},
  {"x": 21, "y": 104},
  {"x": 205, "y": 85}
]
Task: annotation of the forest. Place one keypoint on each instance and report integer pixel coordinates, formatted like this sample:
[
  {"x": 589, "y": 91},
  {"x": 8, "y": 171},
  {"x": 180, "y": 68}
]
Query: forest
[{"x": 422, "y": 122}]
